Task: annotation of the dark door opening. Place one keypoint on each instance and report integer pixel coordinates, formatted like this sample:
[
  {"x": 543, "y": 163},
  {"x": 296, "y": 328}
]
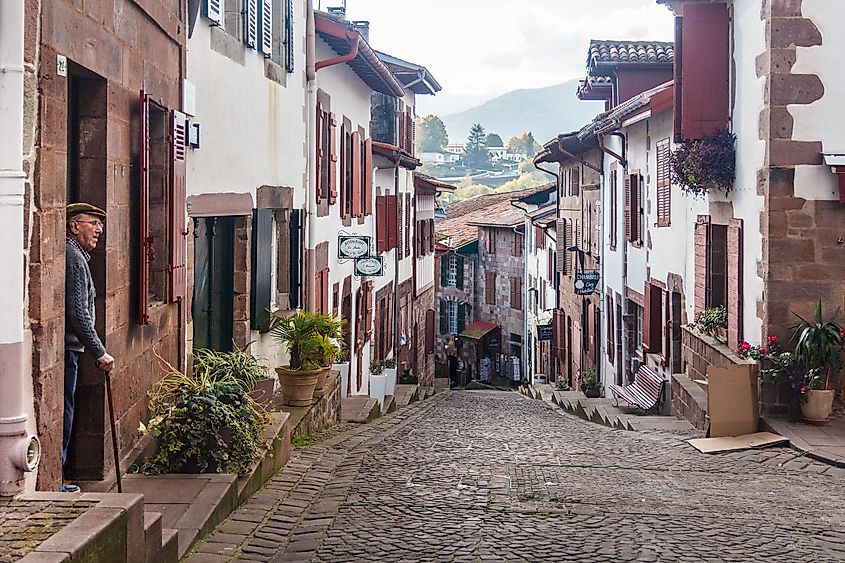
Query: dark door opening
[{"x": 214, "y": 255}]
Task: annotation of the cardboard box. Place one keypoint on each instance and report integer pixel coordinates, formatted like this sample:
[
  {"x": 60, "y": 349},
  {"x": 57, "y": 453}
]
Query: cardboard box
[{"x": 732, "y": 400}]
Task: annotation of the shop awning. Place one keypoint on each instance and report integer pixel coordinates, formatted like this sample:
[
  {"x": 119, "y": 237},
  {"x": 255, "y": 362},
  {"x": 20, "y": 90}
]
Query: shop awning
[{"x": 477, "y": 329}]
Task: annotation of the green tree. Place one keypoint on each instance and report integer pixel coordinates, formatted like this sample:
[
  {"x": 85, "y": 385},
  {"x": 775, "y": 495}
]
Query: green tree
[
  {"x": 476, "y": 155},
  {"x": 494, "y": 140},
  {"x": 525, "y": 144},
  {"x": 431, "y": 134}
]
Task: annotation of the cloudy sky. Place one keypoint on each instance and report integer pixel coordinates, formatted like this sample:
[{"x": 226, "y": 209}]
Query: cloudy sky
[{"x": 478, "y": 49}]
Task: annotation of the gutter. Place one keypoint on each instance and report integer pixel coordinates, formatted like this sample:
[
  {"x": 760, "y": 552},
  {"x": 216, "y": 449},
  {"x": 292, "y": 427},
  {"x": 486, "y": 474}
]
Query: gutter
[{"x": 354, "y": 39}]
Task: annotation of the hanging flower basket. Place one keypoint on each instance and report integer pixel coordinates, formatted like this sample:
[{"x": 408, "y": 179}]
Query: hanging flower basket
[{"x": 705, "y": 164}]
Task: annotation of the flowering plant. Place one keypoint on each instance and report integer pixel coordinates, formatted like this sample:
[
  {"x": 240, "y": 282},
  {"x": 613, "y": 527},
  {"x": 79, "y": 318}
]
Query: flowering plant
[
  {"x": 705, "y": 164},
  {"x": 775, "y": 364},
  {"x": 709, "y": 320}
]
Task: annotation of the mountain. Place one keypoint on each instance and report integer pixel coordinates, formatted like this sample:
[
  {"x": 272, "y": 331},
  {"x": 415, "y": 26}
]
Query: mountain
[{"x": 545, "y": 112}]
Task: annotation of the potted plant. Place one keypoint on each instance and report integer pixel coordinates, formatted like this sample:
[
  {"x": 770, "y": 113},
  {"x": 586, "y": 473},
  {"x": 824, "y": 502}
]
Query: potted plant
[
  {"x": 407, "y": 378},
  {"x": 341, "y": 365},
  {"x": 705, "y": 164},
  {"x": 299, "y": 332},
  {"x": 713, "y": 322},
  {"x": 390, "y": 373},
  {"x": 326, "y": 350},
  {"x": 377, "y": 381},
  {"x": 818, "y": 355},
  {"x": 242, "y": 366},
  {"x": 590, "y": 383}
]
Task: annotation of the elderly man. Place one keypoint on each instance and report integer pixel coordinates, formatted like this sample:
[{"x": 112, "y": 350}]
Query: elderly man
[{"x": 84, "y": 226}]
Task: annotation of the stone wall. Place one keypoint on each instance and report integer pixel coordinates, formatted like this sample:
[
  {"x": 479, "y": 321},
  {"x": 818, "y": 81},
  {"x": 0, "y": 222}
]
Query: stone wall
[
  {"x": 114, "y": 48},
  {"x": 324, "y": 413},
  {"x": 425, "y": 361},
  {"x": 689, "y": 401}
]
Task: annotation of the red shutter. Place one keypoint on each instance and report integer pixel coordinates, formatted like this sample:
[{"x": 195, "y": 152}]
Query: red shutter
[
  {"x": 392, "y": 222},
  {"x": 144, "y": 214},
  {"x": 557, "y": 334},
  {"x": 408, "y": 224},
  {"x": 332, "y": 159},
  {"x": 325, "y": 292},
  {"x": 368, "y": 177},
  {"x": 591, "y": 327},
  {"x": 356, "y": 174},
  {"x": 431, "y": 235},
  {"x": 319, "y": 141},
  {"x": 628, "y": 206},
  {"x": 381, "y": 224},
  {"x": 178, "y": 194},
  {"x": 344, "y": 158},
  {"x": 647, "y": 317},
  {"x": 429, "y": 332},
  {"x": 611, "y": 335},
  {"x": 369, "y": 308},
  {"x": 663, "y": 184},
  {"x": 704, "y": 96},
  {"x": 400, "y": 244},
  {"x": 412, "y": 131}
]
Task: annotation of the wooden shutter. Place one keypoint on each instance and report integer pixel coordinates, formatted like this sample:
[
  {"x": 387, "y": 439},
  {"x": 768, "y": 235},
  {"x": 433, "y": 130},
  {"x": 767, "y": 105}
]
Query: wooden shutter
[
  {"x": 663, "y": 184},
  {"x": 214, "y": 11},
  {"x": 431, "y": 235},
  {"x": 702, "y": 262},
  {"x": 318, "y": 188},
  {"x": 369, "y": 308},
  {"x": 557, "y": 334},
  {"x": 408, "y": 213},
  {"x": 178, "y": 211},
  {"x": 444, "y": 317},
  {"x": 611, "y": 334},
  {"x": 704, "y": 96},
  {"x": 144, "y": 239},
  {"x": 344, "y": 163},
  {"x": 262, "y": 263},
  {"x": 324, "y": 292},
  {"x": 266, "y": 24},
  {"x": 575, "y": 186},
  {"x": 460, "y": 277},
  {"x": 368, "y": 177},
  {"x": 429, "y": 332},
  {"x": 628, "y": 207},
  {"x": 444, "y": 270},
  {"x": 400, "y": 226},
  {"x": 647, "y": 318},
  {"x": 251, "y": 23},
  {"x": 560, "y": 244},
  {"x": 578, "y": 243},
  {"x": 392, "y": 221},
  {"x": 289, "y": 54},
  {"x": 462, "y": 317},
  {"x": 332, "y": 158},
  {"x": 356, "y": 174},
  {"x": 381, "y": 223}
]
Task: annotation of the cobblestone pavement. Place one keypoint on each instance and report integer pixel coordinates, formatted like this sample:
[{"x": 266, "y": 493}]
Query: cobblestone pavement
[
  {"x": 25, "y": 524},
  {"x": 478, "y": 476}
]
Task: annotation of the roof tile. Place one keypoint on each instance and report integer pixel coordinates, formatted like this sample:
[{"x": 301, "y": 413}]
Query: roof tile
[{"x": 604, "y": 51}]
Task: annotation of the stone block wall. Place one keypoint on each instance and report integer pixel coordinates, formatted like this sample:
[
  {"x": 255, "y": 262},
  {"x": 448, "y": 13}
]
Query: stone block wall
[{"x": 689, "y": 401}]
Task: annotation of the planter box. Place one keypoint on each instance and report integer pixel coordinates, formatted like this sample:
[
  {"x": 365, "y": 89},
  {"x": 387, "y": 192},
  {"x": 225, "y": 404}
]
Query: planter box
[
  {"x": 377, "y": 385},
  {"x": 390, "y": 383},
  {"x": 262, "y": 393},
  {"x": 343, "y": 370}
]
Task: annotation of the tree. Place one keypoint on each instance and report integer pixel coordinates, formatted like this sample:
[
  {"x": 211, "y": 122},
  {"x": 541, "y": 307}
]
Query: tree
[
  {"x": 431, "y": 134},
  {"x": 524, "y": 144},
  {"x": 476, "y": 155},
  {"x": 494, "y": 140}
]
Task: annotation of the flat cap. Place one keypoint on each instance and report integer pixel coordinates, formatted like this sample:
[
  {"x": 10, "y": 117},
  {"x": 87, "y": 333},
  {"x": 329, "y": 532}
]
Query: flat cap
[{"x": 76, "y": 208}]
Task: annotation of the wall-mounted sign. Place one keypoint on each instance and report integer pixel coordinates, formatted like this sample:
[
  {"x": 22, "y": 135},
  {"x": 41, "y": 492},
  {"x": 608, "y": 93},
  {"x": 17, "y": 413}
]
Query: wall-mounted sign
[
  {"x": 351, "y": 247},
  {"x": 544, "y": 332},
  {"x": 586, "y": 282},
  {"x": 61, "y": 65},
  {"x": 369, "y": 266}
]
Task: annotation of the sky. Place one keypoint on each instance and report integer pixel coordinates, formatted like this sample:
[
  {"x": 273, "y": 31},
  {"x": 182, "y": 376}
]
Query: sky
[{"x": 479, "y": 49}]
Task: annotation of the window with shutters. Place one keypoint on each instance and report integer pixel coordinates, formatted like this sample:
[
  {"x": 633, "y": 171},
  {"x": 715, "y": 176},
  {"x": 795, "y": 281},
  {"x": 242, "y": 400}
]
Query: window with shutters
[
  {"x": 653, "y": 319},
  {"x": 611, "y": 332},
  {"x": 575, "y": 181},
  {"x": 453, "y": 317},
  {"x": 614, "y": 202},
  {"x": 702, "y": 70},
  {"x": 431, "y": 241},
  {"x": 635, "y": 313},
  {"x": 518, "y": 241},
  {"x": 491, "y": 241},
  {"x": 288, "y": 36},
  {"x": 367, "y": 176},
  {"x": 354, "y": 169},
  {"x": 516, "y": 293},
  {"x": 408, "y": 215},
  {"x": 346, "y": 192},
  {"x": 265, "y": 27},
  {"x": 261, "y": 272},
  {"x": 490, "y": 288},
  {"x": 664, "y": 193},
  {"x": 566, "y": 238},
  {"x": 452, "y": 273},
  {"x": 250, "y": 25},
  {"x": 633, "y": 208},
  {"x": 213, "y": 10},
  {"x": 325, "y": 152}
]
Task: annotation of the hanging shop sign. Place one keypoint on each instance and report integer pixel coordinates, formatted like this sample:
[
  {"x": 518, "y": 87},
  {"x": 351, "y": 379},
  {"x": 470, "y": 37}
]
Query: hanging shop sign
[
  {"x": 351, "y": 247},
  {"x": 586, "y": 282},
  {"x": 544, "y": 332},
  {"x": 369, "y": 266}
]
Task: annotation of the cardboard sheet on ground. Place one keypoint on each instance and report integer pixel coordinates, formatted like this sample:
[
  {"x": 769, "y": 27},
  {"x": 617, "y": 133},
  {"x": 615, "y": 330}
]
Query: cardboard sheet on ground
[{"x": 735, "y": 443}]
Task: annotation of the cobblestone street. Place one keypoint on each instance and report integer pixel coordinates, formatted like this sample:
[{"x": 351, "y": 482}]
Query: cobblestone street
[{"x": 477, "y": 476}]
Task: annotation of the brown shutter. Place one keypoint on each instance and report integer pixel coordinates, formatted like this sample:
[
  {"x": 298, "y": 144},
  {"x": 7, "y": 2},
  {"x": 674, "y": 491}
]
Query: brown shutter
[
  {"x": 392, "y": 222},
  {"x": 144, "y": 238},
  {"x": 343, "y": 164},
  {"x": 647, "y": 317},
  {"x": 576, "y": 181},
  {"x": 356, "y": 174},
  {"x": 325, "y": 299},
  {"x": 368, "y": 176},
  {"x": 332, "y": 158},
  {"x": 431, "y": 235},
  {"x": 735, "y": 277},
  {"x": 178, "y": 194},
  {"x": 381, "y": 223},
  {"x": 408, "y": 210},
  {"x": 611, "y": 335},
  {"x": 578, "y": 243},
  {"x": 702, "y": 259},
  {"x": 628, "y": 207},
  {"x": 560, "y": 244},
  {"x": 557, "y": 334},
  {"x": 400, "y": 243},
  {"x": 490, "y": 288},
  {"x": 429, "y": 332},
  {"x": 319, "y": 140},
  {"x": 663, "y": 184},
  {"x": 369, "y": 308},
  {"x": 704, "y": 98}
]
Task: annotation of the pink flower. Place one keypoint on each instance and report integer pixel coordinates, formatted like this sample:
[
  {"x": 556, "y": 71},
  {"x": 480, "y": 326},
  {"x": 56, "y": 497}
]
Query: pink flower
[
  {"x": 802, "y": 390},
  {"x": 772, "y": 339},
  {"x": 763, "y": 351},
  {"x": 745, "y": 346},
  {"x": 842, "y": 333}
]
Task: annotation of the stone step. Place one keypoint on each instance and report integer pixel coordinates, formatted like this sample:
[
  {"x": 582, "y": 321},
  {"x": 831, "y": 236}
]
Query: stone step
[
  {"x": 152, "y": 536},
  {"x": 359, "y": 408},
  {"x": 389, "y": 404},
  {"x": 169, "y": 546},
  {"x": 406, "y": 394},
  {"x": 661, "y": 423}
]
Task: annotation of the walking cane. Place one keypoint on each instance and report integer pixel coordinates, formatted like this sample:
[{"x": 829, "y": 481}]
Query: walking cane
[{"x": 113, "y": 432}]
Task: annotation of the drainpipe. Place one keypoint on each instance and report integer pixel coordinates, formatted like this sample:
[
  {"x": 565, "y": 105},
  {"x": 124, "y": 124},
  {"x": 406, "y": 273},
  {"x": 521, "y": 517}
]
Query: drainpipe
[
  {"x": 19, "y": 450},
  {"x": 354, "y": 39},
  {"x": 311, "y": 184},
  {"x": 396, "y": 273}
]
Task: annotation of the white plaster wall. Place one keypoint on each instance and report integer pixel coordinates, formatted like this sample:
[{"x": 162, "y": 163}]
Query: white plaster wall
[
  {"x": 749, "y": 42},
  {"x": 638, "y": 159},
  {"x": 822, "y": 120},
  {"x": 425, "y": 264}
]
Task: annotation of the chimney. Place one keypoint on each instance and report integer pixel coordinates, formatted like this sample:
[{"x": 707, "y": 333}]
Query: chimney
[
  {"x": 339, "y": 11},
  {"x": 363, "y": 28}
]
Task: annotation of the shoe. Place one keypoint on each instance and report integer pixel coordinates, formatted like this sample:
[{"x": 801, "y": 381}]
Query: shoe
[{"x": 69, "y": 488}]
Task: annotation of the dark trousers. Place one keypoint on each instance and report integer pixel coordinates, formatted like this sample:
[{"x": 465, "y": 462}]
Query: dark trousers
[{"x": 71, "y": 373}]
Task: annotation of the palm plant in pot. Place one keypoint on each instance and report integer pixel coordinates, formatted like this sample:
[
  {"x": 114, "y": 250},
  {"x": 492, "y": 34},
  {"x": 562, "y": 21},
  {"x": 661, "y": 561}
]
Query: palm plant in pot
[
  {"x": 818, "y": 354},
  {"x": 326, "y": 351},
  {"x": 299, "y": 332}
]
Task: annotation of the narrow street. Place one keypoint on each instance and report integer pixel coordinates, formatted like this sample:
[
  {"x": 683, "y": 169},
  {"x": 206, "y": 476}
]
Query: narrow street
[{"x": 472, "y": 476}]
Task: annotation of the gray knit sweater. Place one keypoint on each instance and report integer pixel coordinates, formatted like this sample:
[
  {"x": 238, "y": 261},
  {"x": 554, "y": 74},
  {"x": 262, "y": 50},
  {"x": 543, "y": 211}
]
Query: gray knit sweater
[{"x": 80, "y": 333}]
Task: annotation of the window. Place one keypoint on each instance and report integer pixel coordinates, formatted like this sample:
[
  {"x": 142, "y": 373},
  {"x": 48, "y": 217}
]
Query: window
[
  {"x": 453, "y": 317},
  {"x": 491, "y": 241},
  {"x": 387, "y": 222},
  {"x": 516, "y": 293},
  {"x": 638, "y": 326},
  {"x": 664, "y": 192},
  {"x": 614, "y": 202},
  {"x": 518, "y": 240},
  {"x": 575, "y": 181},
  {"x": 633, "y": 208},
  {"x": 452, "y": 276},
  {"x": 490, "y": 288},
  {"x": 653, "y": 320},
  {"x": 539, "y": 237},
  {"x": 326, "y": 155},
  {"x": 611, "y": 333}
]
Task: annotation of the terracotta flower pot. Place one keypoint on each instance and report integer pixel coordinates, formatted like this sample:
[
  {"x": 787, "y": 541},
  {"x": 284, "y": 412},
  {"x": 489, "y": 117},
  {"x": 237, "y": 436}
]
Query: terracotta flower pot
[
  {"x": 262, "y": 393},
  {"x": 297, "y": 386},
  {"x": 816, "y": 406},
  {"x": 321, "y": 378}
]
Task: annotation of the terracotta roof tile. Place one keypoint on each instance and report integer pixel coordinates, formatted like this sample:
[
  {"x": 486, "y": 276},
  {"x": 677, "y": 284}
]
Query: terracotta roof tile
[{"x": 602, "y": 51}]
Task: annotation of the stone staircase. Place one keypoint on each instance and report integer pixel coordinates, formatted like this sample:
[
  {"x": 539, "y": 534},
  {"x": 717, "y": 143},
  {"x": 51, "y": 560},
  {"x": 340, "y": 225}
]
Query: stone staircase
[{"x": 364, "y": 409}]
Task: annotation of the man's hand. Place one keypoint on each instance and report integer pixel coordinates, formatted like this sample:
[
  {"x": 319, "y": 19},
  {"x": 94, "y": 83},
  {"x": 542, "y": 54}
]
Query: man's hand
[{"x": 105, "y": 362}]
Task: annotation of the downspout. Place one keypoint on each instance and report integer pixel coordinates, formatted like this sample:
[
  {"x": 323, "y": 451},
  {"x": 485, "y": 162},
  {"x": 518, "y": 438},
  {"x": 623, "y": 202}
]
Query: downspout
[
  {"x": 576, "y": 158},
  {"x": 19, "y": 450},
  {"x": 524, "y": 296},
  {"x": 311, "y": 186},
  {"x": 396, "y": 273},
  {"x": 354, "y": 39}
]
